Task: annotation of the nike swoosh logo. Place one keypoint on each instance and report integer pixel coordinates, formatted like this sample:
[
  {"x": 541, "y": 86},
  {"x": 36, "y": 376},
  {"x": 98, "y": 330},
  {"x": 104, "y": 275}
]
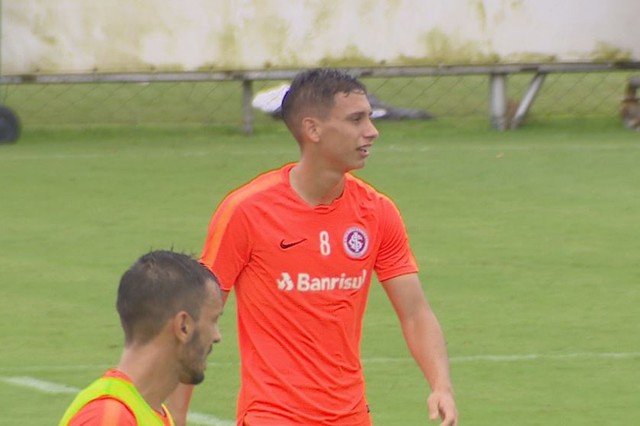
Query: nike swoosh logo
[{"x": 285, "y": 246}]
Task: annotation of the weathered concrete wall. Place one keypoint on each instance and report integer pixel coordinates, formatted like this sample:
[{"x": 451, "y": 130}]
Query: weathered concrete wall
[{"x": 61, "y": 36}]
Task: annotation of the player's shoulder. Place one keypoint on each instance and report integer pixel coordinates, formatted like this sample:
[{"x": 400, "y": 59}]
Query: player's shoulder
[
  {"x": 104, "y": 410},
  {"x": 364, "y": 191},
  {"x": 261, "y": 187}
]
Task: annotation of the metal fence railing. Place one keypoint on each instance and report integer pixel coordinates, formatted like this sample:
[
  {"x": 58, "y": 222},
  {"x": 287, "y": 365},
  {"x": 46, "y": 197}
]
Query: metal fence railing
[{"x": 225, "y": 97}]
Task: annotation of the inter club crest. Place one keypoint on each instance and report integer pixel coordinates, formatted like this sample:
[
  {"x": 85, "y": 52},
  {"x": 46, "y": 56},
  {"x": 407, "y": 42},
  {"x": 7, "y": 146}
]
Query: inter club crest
[{"x": 355, "y": 241}]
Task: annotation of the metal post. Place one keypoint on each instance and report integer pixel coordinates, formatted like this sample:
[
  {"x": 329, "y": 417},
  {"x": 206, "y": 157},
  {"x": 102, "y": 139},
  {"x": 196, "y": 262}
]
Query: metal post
[
  {"x": 527, "y": 100},
  {"x": 498, "y": 101},
  {"x": 247, "y": 111},
  {"x": 4, "y": 92}
]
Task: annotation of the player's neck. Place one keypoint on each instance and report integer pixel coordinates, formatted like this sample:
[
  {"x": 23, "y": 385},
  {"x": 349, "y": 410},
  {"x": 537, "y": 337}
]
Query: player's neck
[
  {"x": 142, "y": 365},
  {"x": 316, "y": 186}
]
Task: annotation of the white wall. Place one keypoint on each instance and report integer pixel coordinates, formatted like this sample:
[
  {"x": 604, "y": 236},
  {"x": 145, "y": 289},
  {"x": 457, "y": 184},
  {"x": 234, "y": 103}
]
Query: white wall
[{"x": 61, "y": 36}]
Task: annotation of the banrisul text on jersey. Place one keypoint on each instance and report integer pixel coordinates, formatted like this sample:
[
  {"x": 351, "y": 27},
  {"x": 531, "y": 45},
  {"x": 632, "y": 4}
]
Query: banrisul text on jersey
[{"x": 306, "y": 282}]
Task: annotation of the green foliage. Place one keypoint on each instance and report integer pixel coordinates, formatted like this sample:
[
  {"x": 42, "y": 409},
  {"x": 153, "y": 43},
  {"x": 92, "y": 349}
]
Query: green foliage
[{"x": 527, "y": 242}]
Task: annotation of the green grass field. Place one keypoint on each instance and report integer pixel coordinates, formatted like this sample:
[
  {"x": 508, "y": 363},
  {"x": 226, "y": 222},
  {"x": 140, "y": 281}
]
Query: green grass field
[{"x": 528, "y": 243}]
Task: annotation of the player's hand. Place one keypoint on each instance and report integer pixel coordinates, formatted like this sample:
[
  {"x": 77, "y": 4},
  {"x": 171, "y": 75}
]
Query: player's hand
[{"x": 441, "y": 404}]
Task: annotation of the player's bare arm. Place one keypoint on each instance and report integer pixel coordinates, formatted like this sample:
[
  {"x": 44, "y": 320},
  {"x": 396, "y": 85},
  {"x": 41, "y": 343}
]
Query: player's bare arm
[
  {"x": 178, "y": 403},
  {"x": 425, "y": 340}
]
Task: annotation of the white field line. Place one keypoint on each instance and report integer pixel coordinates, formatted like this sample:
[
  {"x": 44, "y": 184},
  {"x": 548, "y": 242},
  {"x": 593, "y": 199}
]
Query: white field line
[
  {"x": 378, "y": 148},
  {"x": 378, "y": 360},
  {"x": 518, "y": 358},
  {"x": 553, "y": 357},
  {"x": 207, "y": 420},
  {"x": 39, "y": 385},
  {"x": 57, "y": 388}
]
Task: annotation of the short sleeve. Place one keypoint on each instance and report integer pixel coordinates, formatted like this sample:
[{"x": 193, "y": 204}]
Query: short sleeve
[
  {"x": 227, "y": 246},
  {"x": 394, "y": 257}
]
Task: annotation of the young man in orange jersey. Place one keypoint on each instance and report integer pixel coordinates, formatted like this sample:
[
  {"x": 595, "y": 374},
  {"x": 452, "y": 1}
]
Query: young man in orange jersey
[
  {"x": 300, "y": 245},
  {"x": 169, "y": 306}
]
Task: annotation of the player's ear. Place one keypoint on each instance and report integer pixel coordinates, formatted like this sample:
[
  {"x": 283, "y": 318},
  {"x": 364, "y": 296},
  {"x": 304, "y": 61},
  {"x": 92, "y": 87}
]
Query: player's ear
[
  {"x": 183, "y": 326},
  {"x": 311, "y": 129}
]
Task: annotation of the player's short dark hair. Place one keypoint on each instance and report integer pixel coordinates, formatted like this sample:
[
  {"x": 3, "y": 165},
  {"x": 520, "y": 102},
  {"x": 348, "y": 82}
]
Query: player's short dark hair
[
  {"x": 315, "y": 90},
  {"x": 157, "y": 286}
]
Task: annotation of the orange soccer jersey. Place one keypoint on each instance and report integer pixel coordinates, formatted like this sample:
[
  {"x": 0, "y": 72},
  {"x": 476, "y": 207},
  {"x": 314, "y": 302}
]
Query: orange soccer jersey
[{"x": 301, "y": 276}]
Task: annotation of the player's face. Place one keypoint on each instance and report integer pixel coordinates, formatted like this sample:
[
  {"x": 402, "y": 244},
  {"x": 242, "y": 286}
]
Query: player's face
[
  {"x": 348, "y": 133},
  {"x": 194, "y": 358}
]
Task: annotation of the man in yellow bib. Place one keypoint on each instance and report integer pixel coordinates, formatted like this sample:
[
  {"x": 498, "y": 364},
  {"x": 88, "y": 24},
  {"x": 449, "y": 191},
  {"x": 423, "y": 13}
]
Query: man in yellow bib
[{"x": 169, "y": 305}]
